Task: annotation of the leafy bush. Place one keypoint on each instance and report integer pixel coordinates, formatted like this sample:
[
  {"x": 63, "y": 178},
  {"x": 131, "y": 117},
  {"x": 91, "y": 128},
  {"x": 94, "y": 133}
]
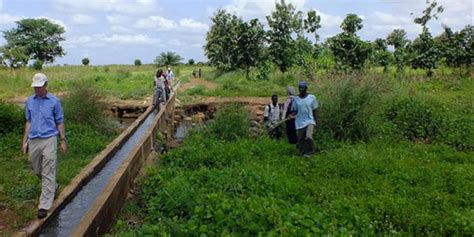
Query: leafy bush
[
  {"x": 83, "y": 104},
  {"x": 423, "y": 120},
  {"x": 231, "y": 122},
  {"x": 12, "y": 118},
  {"x": 347, "y": 109},
  {"x": 85, "y": 61},
  {"x": 37, "y": 64}
]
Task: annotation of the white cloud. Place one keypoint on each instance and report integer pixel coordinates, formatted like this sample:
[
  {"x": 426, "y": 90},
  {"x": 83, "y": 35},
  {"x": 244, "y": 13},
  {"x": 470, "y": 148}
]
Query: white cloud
[
  {"x": 193, "y": 25},
  {"x": 120, "y": 29},
  {"x": 81, "y": 19},
  {"x": 258, "y": 8},
  {"x": 382, "y": 18},
  {"x": 155, "y": 22},
  {"x": 329, "y": 21},
  {"x": 119, "y": 6},
  {"x": 118, "y": 19},
  {"x": 101, "y": 40},
  {"x": 7, "y": 19}
]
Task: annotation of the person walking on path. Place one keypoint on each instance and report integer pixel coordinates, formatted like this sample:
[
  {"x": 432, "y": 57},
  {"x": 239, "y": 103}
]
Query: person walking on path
[
  {"x": 290, "y": 121},
  {"x": 271, "y": 117},
  {"x": 44, "y": 121},
  {"x": 304, "y": 107},
  {"x": 159, "y": 88},
  {"x": 169, "y": 75}
]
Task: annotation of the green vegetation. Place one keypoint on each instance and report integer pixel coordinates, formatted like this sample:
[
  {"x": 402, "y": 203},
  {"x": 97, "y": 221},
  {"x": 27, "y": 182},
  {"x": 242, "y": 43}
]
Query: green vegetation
[
  {"x": 88, "y": 133},
  {"x": 32, "y": 39},
  {"x": 247, "y": 186}
]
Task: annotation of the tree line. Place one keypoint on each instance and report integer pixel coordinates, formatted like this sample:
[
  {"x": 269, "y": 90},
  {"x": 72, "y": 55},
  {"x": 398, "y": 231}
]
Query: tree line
[{"x": 232, "y": 43}]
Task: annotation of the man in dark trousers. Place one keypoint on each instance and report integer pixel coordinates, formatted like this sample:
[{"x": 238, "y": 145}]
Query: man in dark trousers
[
  {"x": 44, "y": 122},
  {"x": 304, "y": 107},
  {"x": 272, "y": 116}
]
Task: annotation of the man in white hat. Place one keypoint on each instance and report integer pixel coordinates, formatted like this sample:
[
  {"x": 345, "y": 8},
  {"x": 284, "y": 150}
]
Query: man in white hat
[{"x": 44, "y": 122}]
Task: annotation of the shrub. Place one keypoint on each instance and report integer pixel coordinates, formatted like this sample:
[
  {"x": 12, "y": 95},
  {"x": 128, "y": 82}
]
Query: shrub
[
  {"x": 347, "y": 109},
  {"x": 427, "y": 121},
  {"x": 85, "y": 61},
  {"x": 37, "y": 65},
  {"x": 12, "y": 118},
  {"x": 83, "y": 104},
  {"x": 230, "y": 123},
  {"x": 137, "y": 62},
  {"x": 264, "y": 69}
]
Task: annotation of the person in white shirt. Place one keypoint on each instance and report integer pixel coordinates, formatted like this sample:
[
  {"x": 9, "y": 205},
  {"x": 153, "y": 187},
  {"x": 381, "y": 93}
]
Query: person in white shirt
[
  {"x": 169, "y": 75},
  {"x": 272, "y": 116},
  {"x": 304, "y": 107}
]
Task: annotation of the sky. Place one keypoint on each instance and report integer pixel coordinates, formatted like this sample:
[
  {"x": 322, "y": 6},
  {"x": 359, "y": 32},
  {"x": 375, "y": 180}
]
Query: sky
[{"x": 120, "y": 31}]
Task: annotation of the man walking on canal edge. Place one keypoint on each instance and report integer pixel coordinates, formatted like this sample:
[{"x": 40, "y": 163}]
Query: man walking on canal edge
[
  {"x": 304, "y": 107},
  {"x": 44, "y": 121}
]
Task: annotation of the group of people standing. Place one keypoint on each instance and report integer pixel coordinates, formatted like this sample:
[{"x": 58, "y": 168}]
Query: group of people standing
[
  {"x": 298, "y": 114},
  {"x": 162, "y": 86}
]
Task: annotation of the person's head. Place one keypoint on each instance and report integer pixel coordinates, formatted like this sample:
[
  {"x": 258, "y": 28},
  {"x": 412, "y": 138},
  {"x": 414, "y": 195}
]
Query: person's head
[
  {"x": 40, "y": 81},
  {"x": 303, "y": 87},
  {"x": 291, "y": 90},
  {"x": 169, "y": 69},
  {"x": 159, "y": 72},
  {"x": 274, "y": 99}
]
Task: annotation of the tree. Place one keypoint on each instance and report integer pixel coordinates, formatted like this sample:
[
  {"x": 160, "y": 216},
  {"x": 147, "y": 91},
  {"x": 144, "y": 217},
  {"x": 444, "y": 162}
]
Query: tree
[
  {"x": 312, "y": 23},
  {"x": 457, "y": 48},
  {"x": 423, "y": 51},
  {"x": 85, "y": 61},
  {"x": 36, "y": 38},
  {"x": 14, "y": 56},
  {"x": 250, "y": 42},
  {"x": 283, "y": 23},
  {"x": 168, "y": 58},
  {"x": 349, "y": 51},
  {"x": 398, "y": 39},
  {"x": 221, "y": 40},
  {"x": 234, "y": 44},
  {"x": 380, "y": 55},
  {"x": 191, "y": 61},
  {"x": 137, "y": 62}
]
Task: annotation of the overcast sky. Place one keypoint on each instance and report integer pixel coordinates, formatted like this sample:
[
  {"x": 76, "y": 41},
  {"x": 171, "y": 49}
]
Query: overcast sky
[{"x": 119, "y": 31}]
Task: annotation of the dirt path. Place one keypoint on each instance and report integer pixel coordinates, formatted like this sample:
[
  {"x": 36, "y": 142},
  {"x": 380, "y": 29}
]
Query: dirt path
[{"x": 195, "y": 82}]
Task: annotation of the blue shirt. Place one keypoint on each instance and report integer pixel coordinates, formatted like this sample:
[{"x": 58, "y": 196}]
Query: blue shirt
[
  {"x": 304, "y": 110},
  {"x": 43, "y": 114}
]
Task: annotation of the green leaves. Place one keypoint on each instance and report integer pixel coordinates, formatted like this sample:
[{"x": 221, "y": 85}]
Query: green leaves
[
  {"x": 168, "y": 58},
  {"x": 34, "y": 38}
]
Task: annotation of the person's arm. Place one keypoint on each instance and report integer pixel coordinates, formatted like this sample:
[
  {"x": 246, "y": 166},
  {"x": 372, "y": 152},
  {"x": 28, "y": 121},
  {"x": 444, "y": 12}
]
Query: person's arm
[
  {"x": 265, "y": 114},
  {"x": 24, "y": 143},
  {"x": 62, "y": 136},
  {"x": 316, "y": 119},
  {"x": 59, "y": 119}
]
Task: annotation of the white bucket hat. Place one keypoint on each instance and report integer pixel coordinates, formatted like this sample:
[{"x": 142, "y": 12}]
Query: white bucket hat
[{"x": 39, "y": 79}]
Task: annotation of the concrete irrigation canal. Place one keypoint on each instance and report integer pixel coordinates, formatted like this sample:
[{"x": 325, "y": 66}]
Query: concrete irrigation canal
[{"x": 89, "y": 204}]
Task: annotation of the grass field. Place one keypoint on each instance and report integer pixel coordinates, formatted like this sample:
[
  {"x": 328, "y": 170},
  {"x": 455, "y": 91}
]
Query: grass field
[{"x": 395, "y": 158}]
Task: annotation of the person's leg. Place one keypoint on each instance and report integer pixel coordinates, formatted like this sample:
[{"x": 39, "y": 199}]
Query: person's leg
[
  {"x": 35, "y": 156},
  {"x": 300, "y": 133},
  {"x": 309, "y": 144},
  {"x": 48, "y": 182}
]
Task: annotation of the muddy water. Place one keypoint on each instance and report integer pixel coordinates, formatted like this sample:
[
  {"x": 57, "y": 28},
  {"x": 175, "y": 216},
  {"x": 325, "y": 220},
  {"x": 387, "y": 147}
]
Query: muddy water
[{"x": 67, "y": 219}]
